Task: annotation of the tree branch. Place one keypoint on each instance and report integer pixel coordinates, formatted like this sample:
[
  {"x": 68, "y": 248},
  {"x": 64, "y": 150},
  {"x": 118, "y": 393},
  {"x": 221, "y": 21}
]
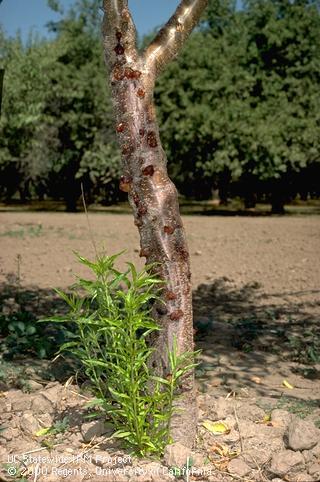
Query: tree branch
[
  {"x": 119, "y": 33},
  {"x": 172, "y": 36}
]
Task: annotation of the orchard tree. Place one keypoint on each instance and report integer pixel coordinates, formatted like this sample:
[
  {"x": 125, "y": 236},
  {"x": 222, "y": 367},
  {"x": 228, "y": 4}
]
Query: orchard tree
[
  {"x": 22, "y": 118},
  {"x": 152, "y": 194},
  {"x": 241, "y": 104},
  {"x": 78, "y": 106}
]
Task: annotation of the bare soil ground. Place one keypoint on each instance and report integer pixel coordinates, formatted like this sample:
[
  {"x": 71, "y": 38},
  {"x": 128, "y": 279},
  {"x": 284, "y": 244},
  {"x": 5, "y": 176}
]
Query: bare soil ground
[{"x": 256, "y": 312}]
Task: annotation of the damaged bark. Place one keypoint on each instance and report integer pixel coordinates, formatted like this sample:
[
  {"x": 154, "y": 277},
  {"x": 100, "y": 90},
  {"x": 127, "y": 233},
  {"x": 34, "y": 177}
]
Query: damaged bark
[{"x": 151, "y": 193}]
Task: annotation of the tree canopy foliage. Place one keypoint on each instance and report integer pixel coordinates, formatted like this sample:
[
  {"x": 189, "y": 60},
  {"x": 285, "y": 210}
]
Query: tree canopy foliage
[
  {"x": 239, "y": 109},
  {"x": 241, "y": 105}
]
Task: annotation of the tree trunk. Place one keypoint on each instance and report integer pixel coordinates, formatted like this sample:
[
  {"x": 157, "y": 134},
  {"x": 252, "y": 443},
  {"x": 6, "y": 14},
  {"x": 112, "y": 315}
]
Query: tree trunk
[
  {"x": 1, "y": 85},
  {"x": 152, "y": 194},
  {"x": 277, "y": 198}
]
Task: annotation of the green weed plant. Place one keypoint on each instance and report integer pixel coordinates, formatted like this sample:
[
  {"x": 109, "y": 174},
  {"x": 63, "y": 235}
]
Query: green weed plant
[{"x": 112, "y": 315}]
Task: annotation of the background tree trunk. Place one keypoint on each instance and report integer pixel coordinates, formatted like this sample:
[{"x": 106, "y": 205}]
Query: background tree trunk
[
  {"x": 152, "y": 195},
  {"x": 1, "y": 85}
]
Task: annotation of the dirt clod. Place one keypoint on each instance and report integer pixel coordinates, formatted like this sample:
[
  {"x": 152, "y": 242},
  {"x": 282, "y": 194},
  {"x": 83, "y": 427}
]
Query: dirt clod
[
  {"x": 93, "y": 429},
  {"x": 286, "y": 461},
  {"x": 176, "y": 455},
  {"x": 238, "y": 467},
  {"x": 302, "y": 435},
  {"x": 29, "y": 424}
]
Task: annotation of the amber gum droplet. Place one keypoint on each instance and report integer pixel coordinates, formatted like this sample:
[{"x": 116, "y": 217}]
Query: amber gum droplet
[
  {"x": 141, "y": 93},
  {"x": 176, "y": 315},
  {"x": 132, "y": 74},
  {"x": 118, "y": 72},
  {"x": 119, "y": 50},
  {"x": 125, "y": 183},
  {"x": 170, "y": 295},
  {"x": 151, "y": 139},
  {"x": 168, "y": 229},
  {"x": 148, "y": 170},
  {"x": 136, "y": 199},
  {"x": 129, "y": 73},
  {"x": 142, "y": 210},
  {"x": 120, "y": 127},
  {"x": 144, "y": 253}
]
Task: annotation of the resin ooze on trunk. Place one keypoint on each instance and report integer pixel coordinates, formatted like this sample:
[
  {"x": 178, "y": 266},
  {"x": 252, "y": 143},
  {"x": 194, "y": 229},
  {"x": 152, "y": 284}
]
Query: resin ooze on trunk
[{"x": 151, "y": 193}]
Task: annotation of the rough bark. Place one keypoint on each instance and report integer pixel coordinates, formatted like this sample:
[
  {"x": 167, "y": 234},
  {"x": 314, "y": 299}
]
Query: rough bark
[{"x": 152, "y": 194}]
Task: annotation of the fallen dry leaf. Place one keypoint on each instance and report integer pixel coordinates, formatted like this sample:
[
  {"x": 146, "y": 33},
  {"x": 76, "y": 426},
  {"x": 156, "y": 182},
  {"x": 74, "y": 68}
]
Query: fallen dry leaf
[
  {"x": 216, "y": 428},
  {"x": 224, "y": 451},
  {"x": 287, "y": 385},
  {"x": 42, "y": 432}
]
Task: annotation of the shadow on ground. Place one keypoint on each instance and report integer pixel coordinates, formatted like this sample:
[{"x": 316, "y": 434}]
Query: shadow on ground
[
  {"x": 254, "y": 342},
  {"x": 251, "y": 341}
]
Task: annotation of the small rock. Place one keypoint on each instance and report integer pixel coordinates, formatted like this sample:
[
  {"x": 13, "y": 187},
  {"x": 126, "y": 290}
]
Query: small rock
[
  {"x": 53, "y": 392},
  {"x": 277, "y": 480},
  {"x": 308, "y": 456},
  {"x": 314, "y": 470},
  {"x": 281, "y": 417},
  {"x": 316, "y": 450},
  {"x": 29, "y": 424},
  {"x": 286, "y": 461},
  {"x": 251, "y": 412},
  {"x": 41, "y": 404},
  {"x": 256, "y": 457},
  {"x": 5, "y": 407},
  {"x": 302, "y": 435},
  {"x": 20, "y": 402},
  {"x": 303, "y": 477},
  {"x": 3, "y": 454},
  {"x": 9, "y": 433},
  {"x": 249, "y": 429},
  {"x": 33, "y": 385},
  {"x": 46, "y": 419},
  {"x": 238, "y": 467},
  {"x": 176, "y": 455},
  {"x": 76, "y": 439},
  {"x": 198, "y": 252},
  {"x": 92, "y": 429}
]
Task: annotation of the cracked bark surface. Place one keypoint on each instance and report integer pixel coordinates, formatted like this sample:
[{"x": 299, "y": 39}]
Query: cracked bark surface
[{"x": 151, "y": 193}]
